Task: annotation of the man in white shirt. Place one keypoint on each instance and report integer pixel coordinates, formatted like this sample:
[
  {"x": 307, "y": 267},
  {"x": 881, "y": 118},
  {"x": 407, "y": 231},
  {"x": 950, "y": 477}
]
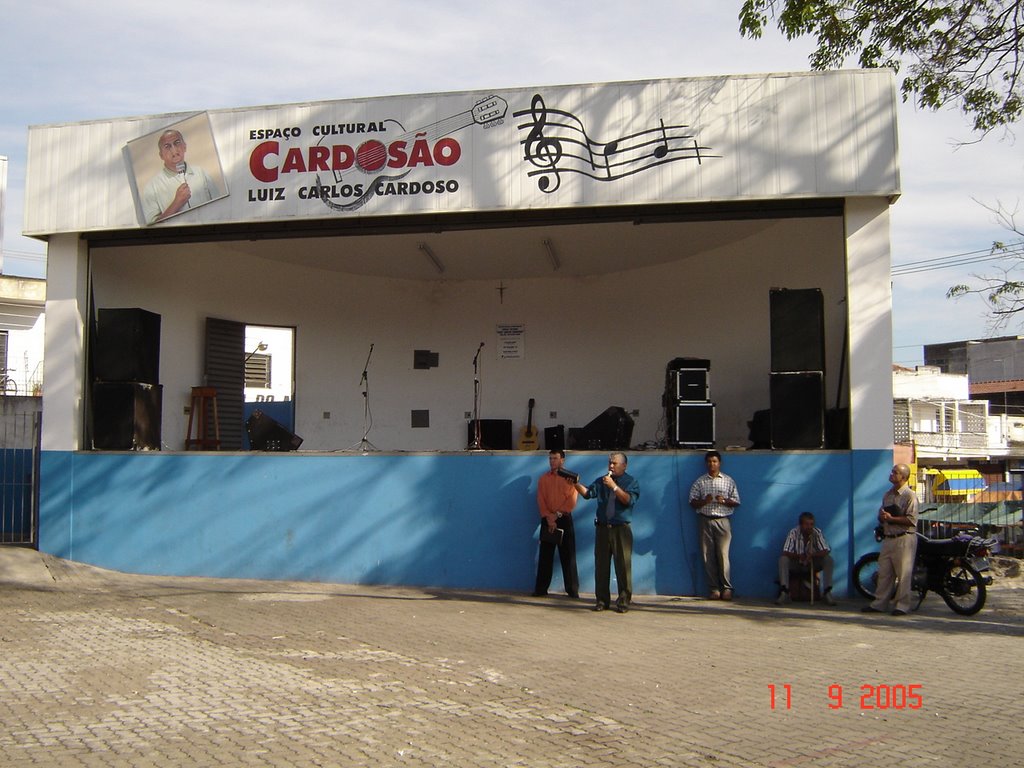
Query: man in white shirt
[
  {"x": 178, "y": 185},
  {"x": 714, "y": 497}
]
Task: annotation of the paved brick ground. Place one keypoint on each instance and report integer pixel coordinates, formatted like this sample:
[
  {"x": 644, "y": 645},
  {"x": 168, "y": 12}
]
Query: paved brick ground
[{"x": 102, "y": 669}]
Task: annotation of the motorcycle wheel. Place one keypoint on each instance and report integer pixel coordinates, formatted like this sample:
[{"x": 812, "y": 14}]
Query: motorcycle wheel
[
  {"x": 865, "y": 575},
  {"x": 963, "y": 589}
]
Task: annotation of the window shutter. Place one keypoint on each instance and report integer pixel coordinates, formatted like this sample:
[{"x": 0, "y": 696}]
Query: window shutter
[{"x": 225, "y": 371}]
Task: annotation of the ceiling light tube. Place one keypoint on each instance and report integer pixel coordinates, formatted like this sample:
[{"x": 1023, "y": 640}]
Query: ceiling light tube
[
  {"x": 552, "y": 256},
  {"x": 438, "y": 264}
]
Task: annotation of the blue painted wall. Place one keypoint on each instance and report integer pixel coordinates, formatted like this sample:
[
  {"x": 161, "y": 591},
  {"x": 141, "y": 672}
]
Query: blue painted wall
[{"x": 445, "y": 520}]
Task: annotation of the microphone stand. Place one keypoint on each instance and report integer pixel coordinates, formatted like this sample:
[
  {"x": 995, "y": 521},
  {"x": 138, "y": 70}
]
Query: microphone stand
[
  {"x": 475, "y": 445},
  {"x": 365, "y": 445}
]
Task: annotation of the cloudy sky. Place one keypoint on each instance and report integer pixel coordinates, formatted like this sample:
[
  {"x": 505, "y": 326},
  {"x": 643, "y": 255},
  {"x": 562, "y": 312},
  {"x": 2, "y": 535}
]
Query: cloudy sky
[{"x": 66, "y": 61}]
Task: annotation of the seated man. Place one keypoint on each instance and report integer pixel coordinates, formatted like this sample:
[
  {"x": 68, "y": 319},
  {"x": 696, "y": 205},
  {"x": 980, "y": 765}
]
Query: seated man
[{"x": 805, "y": 546}]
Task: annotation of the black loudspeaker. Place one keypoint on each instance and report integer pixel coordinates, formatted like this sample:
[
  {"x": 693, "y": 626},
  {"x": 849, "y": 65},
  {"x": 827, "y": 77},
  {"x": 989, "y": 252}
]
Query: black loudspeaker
[
  {"x": 495, "y": 434},
  {"x": 127, "y": 346},
  {"x": 797, "y": 318},
  {"x": 689, "y": 385},
  {"x": 611, "y": 430},
  {"x": 686, "y": 380},
  {"x": 554, "y": 438},
  {"x": 266, "y": 434},
  {"x": 798, "y": 410},
  {"x": 126, "y": 416},
  {"x": 693, "y": 425}
]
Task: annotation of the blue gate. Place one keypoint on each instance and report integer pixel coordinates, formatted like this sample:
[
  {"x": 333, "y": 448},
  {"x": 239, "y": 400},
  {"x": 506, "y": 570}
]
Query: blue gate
[{"x": 20, "y": 429}]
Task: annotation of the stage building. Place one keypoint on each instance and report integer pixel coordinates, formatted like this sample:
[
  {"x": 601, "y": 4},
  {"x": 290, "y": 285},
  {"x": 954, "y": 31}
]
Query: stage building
[{"x": 586, "y": 236}]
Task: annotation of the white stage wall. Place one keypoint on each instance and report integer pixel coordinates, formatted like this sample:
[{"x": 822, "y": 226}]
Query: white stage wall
[{"x": 590, "y": 342}]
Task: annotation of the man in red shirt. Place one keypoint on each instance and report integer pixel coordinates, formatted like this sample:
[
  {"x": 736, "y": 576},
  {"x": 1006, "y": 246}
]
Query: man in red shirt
[{"x": 556, "y": 499}]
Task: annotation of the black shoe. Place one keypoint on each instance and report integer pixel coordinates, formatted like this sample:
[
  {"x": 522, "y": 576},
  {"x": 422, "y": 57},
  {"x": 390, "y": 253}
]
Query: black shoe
[
  {"x": 869, "y": 609},
  {"x": 898, "y": 612},
  {"x": 621, "y": 608},
  {"x": 600, "y": 607},
  {"x": 573, "y": 595},
  {"x": 539, "y": 594}
]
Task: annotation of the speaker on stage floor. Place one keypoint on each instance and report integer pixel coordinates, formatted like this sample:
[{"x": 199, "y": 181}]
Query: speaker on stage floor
[
  {"x": 798, "y": 410},
  {"x": 611, "y": 430},
  {"x": 126, "y": 416},
  {"x": 554, "y": 437},
  {"x": 495, "y": 434},
  {"x": 127, "y": 346},
  {"x": 797, "y": 329},
  {"x": 693, "y": 425},
  {"x": 267, "y": 434}
]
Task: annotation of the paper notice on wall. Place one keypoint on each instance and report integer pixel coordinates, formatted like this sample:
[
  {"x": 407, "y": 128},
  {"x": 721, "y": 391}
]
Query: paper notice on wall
[{"x": 511, "y": 341}]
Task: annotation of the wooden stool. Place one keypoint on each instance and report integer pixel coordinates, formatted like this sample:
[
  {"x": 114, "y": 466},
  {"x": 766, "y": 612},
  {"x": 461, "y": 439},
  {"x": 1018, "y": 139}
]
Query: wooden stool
[
  {"x": 197, "y": 412},
  {"x": 798, "y": 589}
]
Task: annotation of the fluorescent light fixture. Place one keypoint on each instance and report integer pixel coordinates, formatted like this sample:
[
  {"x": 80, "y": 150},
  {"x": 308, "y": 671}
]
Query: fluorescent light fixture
[
  {"x": 438, "y": 264},
  {"x": 552, "y": 256}
]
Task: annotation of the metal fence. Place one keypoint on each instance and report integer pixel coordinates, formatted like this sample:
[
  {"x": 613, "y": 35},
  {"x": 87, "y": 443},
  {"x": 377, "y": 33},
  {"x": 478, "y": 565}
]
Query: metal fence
[
  {"x": 1002, "y": 520},
  {"x": 20, "y": 429}
]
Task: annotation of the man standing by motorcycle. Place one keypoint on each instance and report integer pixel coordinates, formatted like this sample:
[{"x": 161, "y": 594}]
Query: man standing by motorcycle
[{"x": 898, "y": 517}]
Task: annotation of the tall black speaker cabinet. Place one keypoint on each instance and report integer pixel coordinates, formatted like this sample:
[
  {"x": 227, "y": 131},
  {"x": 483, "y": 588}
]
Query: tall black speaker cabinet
[
  {"x": 127, "y": 346},
  {"x": 798, "y": 410},
  {"x": 126, "y": 416},
  {"x": 797, "y": 329},
  {"x": 689, "y": 412}
]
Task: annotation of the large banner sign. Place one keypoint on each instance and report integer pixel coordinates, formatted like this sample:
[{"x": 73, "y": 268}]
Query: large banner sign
[
  {"x": 352, "y": 163},
  {"x": 824, "y": 134}
]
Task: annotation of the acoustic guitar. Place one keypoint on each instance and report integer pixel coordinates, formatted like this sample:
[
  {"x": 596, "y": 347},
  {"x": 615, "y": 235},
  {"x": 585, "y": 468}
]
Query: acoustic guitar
[{"x": 528, "y": 434}]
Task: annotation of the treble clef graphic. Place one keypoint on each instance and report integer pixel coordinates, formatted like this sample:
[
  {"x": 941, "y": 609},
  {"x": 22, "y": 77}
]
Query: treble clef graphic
[{"x": 543, "y": 151}]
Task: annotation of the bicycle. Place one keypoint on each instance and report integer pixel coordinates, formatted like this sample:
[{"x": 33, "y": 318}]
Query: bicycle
[{"x": 8, "y": 386}]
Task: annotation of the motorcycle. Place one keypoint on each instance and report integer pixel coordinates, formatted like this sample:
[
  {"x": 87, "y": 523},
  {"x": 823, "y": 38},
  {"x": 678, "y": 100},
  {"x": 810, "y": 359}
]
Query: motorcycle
[{"x": 955, "y": 568}]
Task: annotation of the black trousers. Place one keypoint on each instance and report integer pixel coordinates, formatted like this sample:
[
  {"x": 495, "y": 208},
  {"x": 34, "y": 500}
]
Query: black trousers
[
  {"x": 566, "y": 555},
  {"x": 613, "y": 544}
]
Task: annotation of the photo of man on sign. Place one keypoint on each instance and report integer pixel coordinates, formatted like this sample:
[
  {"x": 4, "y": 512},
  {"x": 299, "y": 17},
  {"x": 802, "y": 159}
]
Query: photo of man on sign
[{"x": 174, "y": 175}]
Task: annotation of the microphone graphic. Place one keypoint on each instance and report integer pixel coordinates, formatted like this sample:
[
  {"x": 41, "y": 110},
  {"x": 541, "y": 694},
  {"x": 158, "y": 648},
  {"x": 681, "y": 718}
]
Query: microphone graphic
[{"x": 180, "y": 168}]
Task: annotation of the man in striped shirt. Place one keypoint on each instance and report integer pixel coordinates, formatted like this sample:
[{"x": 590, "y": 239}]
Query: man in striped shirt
[
  {"x": 714, "y": 496},
  {"x": 805, "y": 547}
]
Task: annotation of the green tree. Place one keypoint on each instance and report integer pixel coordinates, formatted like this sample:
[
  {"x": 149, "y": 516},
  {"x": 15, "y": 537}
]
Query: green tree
[
  {"x": 965, "y": 53},
  {"x": 1003, "y": 294}
]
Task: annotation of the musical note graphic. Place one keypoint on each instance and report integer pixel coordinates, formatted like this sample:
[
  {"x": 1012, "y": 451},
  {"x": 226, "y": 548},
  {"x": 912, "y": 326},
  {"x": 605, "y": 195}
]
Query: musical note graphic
[
  {"x": 542, "y": 150},
  {"x": 558, "y": 143},
  {"x": 662, "y": 150}
]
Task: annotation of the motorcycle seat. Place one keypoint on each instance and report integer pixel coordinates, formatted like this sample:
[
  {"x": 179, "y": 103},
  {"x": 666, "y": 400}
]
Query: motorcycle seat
[{"x": 940, "y": 547}]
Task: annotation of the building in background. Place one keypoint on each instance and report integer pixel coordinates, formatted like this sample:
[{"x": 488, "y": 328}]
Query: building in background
[
  {"x": 995, "y": 368},
  {"x": 961, "y": 421},
  {"x": 22, "y": 326},
  {"x": 934, "y": 413}
]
